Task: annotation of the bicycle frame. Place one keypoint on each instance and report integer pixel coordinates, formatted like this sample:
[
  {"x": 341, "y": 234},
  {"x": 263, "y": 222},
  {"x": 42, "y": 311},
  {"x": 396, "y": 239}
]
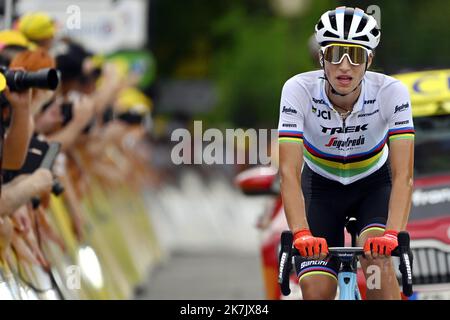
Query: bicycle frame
[
  {"x": 347, "y": 276},
  {"x": 348, "y": 286}
]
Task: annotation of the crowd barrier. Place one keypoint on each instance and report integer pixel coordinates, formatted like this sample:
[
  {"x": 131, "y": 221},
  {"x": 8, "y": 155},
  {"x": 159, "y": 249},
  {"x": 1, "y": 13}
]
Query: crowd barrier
[
  {"x": 129, "y": 228},
  {"x": 114, "y": 256}
]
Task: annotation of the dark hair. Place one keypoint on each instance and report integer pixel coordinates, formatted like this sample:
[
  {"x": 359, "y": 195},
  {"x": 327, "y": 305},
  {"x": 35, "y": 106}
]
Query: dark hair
[{"x": 70, "y": 62}]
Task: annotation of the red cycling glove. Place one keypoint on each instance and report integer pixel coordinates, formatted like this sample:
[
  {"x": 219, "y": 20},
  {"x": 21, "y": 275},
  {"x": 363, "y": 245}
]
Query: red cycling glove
[
  {"x": 309, "y": 246},
  {"x": 382, "y": 245}
]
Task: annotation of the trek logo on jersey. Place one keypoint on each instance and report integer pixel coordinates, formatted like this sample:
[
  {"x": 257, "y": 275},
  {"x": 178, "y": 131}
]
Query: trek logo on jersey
[
  {"x": 319, "y": 101},
  {"x": 401, "y": 108},
  {"x": 368, "y": 114},
  {"x": 348, "y": 129},
  {"x": 321, "y": 113},
  {"x": 289, "y": 125},
  {"x": 289, "y": 110},
  {"x": 335, "y": 142}
]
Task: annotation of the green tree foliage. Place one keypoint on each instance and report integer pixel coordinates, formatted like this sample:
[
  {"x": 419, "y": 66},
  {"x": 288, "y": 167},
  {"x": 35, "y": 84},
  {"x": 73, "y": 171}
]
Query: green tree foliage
[
  {"x": 249, "y": 51},
  {"x": 263, "y": 50}
]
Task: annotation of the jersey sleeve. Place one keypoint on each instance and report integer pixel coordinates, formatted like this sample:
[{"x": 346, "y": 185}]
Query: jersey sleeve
[
  {"x": 398, "y": 112},
  {"x": 290, "y": 124}
]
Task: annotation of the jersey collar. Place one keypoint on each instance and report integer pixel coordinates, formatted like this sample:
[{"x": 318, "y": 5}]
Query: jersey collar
[{"x": 359, "y": 103}]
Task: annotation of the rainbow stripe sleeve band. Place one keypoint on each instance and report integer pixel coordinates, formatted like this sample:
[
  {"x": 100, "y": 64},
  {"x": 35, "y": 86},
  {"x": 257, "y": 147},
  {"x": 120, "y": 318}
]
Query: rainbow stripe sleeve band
[
  {"x": 401, "y": 133},
  {"x": 290, "y": 136}
]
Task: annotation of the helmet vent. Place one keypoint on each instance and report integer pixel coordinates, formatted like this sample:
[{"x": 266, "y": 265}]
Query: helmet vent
[
  {"x": 331, "y": 35},
  {"x": 361, "y": 38},
  {"x": 375, "y": 32},
  {"x": 362, "y": 24},
  {"x": 332, "y": 16},
  {"x": 320, "y": 25},
  {"x": 347, "y": 22}
]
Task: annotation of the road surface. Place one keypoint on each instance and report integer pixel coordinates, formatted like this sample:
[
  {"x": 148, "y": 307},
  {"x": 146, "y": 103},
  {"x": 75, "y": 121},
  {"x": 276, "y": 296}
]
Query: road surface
[{"x": 206, "y": 276}]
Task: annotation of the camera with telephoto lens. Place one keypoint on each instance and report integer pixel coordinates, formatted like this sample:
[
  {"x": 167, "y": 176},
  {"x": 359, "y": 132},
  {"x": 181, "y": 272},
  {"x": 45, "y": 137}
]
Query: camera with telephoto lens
[{"x": 19, "y": 80}]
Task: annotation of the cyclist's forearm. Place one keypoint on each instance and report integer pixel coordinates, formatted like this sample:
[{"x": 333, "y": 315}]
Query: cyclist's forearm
[
  {"x": 402, "y": 162},
  {"x": 293, "y": 201},
  {"x": 400, "y": 202}
]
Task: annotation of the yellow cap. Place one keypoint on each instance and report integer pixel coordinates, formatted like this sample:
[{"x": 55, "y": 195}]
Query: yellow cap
[
  {"x": 13, "y": 38},
  {"x": 132, "y": 99},
  {"x": 2, "y": 82},
  {"x": 98, "y": 60},
  {"x": 36, "y": 26}
]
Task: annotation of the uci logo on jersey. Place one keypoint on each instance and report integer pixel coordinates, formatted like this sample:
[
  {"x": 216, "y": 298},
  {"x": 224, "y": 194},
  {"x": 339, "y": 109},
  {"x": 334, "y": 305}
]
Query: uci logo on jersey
[
  {"x": 348, "y": 129},
  {"x": 289, "y": 110},
  {"x": 321, "y": 113}
]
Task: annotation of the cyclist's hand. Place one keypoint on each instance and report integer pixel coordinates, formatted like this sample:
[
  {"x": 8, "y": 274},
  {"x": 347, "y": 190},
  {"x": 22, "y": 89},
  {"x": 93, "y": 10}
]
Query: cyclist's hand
[
  {"x": 381, "y": 246},
  {"x": 309, "y": 246}
]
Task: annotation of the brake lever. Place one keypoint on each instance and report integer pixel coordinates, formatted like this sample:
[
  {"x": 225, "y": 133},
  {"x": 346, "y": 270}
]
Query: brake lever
[{"x": 403, "y": 251}]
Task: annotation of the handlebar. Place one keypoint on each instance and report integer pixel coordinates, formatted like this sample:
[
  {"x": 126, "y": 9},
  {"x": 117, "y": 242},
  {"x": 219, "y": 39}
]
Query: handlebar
[{"x": 403, "y": 251}]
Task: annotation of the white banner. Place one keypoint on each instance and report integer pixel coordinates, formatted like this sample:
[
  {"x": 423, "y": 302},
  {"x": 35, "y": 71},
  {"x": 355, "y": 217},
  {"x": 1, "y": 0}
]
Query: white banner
[{"x": 103, "y": 26}]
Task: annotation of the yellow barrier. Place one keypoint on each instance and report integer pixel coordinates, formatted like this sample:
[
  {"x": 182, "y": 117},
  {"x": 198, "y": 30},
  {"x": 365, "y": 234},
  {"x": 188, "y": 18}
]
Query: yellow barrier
[{"x": 117, "y": 252}]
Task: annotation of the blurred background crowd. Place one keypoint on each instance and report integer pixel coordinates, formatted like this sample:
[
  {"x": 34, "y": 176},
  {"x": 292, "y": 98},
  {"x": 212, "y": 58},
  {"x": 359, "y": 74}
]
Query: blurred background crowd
[{"x": 130, "y": 72}]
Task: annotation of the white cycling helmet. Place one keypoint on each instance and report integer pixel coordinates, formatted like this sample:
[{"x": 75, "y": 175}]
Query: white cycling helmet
[{"x": 348, "y": 25}]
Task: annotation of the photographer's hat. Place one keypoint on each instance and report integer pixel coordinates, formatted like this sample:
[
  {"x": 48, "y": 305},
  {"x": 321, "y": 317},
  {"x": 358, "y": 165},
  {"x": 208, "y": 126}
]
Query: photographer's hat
[{"x": 37, "y": 26}]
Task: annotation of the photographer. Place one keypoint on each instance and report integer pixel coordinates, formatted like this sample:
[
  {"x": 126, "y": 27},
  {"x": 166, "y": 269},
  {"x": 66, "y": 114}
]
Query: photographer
[
  {"x": 76, "y": 110},
  {"x": 58, "y": 127},
  {"x": 20, "y": 102},
  {"x": 90, "y": 75},
  {"x": 18, "y": 135},
  {"x": 35, "y": 60},
  {"x": 22, "y": 152}
]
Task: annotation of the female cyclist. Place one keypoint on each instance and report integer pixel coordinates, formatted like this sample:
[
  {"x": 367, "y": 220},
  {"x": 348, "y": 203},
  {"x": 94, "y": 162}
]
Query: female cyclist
[{"x": 346, "y": 150}]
